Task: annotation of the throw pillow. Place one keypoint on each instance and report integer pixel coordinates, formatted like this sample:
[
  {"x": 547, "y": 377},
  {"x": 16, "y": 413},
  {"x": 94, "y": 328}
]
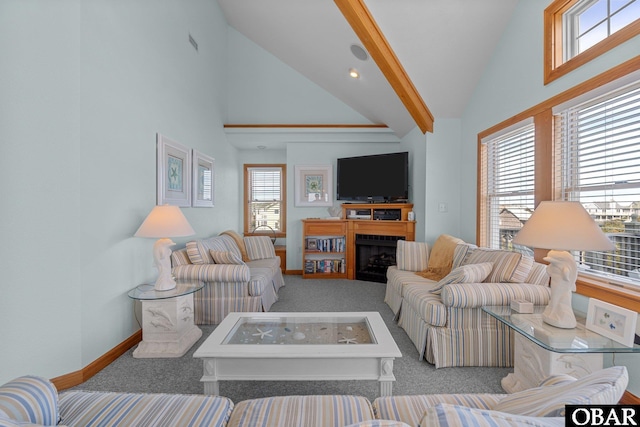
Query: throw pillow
[
  {"x": 603, "y": 387},
  {"x": 471, "y": 273},
  {"x": 445, "y": 414},
  {"x": 198, "y": 250},
  {"x": 505, "y": 264},
  {"x": 225, "y": 257},
  {"x": 441, "y": 257}
]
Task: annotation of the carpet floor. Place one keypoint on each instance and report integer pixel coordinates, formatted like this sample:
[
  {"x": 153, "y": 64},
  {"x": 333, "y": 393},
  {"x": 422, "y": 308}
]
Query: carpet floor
[{"x": 413, "y": 376}]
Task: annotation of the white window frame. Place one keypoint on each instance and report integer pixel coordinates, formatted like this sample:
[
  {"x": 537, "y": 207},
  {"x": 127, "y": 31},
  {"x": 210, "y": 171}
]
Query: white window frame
[{"x": 275, "y": 223}]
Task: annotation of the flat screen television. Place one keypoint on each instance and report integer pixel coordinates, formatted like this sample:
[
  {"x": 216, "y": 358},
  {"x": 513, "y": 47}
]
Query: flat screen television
[{"x": 374, "y": 178}]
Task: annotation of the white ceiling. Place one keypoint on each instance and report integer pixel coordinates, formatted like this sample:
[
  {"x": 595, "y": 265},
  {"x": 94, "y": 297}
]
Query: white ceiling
[{"x": 443, "y": 45}]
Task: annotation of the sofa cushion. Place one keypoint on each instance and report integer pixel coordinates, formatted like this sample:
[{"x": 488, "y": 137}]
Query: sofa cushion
[
  {"x": 603, "y": 387},
  {"x": 326, "y": 411},
  {"x": 470, "y": 273},
  {"x": 239, "y": 243},
  {"x": 379, "y": 423},
  {"x": 412, "y": 256},
  {"x": 88, "y": 408},
  {"x": 461, "y": 253},
  {"x": 259, "y": 247},
  {"x": 447, "y": 415},
  {"x": 225, "y": 257},
  {"x": 30, "y": 399},
  {"x": 441, "y": 257},
  {"x": 198, "y": 250},
  {"x": 505, "y": 265}
]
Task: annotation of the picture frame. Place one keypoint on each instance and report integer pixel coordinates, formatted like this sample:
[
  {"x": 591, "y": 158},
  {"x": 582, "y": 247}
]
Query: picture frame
[
  {"x": 203, "y": 183},
  {"x": 612, "y": 321},
  {"x": 173, "y": 168},
  {"x": 313, "y": 185}
]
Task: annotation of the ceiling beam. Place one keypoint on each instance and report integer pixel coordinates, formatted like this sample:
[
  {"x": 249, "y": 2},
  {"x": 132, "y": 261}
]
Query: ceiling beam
[{"x": 365, "y": 27}]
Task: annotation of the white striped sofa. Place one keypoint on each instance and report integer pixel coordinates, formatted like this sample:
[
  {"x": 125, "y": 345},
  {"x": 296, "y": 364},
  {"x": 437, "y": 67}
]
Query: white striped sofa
[
  {"x": 244, "y": 276},
  {"x": 34, "y": 401},
  {"x": 445, "y": 320}
]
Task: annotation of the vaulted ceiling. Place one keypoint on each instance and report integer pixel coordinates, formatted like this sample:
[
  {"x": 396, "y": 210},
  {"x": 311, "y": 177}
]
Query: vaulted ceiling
[{"x": 441, "y": 46}]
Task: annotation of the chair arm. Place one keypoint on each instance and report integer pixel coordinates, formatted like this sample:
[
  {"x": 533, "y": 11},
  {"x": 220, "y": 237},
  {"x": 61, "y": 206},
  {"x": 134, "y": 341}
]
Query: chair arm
[
  {"x": 470, "y": 295},
  {"x": 213, "y": 272},
  {"x": 30, "y": 399}
]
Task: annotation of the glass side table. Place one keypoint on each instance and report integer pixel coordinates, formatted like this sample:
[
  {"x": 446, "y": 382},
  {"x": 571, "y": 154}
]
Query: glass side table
[
  {"x": 168, "y": 329},
  {"x": 542, "y": 350}
]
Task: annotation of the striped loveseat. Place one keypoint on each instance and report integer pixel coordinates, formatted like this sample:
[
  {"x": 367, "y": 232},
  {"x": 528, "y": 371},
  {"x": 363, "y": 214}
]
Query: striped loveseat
[
  {"x": 240, "y": 274},
  {"x": 34, "y": 401},
  {"x": 444, "y": 319}
]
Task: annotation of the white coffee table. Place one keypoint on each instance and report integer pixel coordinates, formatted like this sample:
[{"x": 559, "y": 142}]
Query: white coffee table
[{"x": 299, "y": 347}]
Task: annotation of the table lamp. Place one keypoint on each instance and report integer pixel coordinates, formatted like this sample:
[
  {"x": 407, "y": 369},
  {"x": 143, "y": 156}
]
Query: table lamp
[
  {"x": 562, "y": 226},
  {"x": 164, "y": 222}
]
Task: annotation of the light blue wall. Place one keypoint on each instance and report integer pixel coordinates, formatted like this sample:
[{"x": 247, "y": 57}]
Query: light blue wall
[
  {"x": 85, "y": 87},
  {"x": 512, "y": 83}
]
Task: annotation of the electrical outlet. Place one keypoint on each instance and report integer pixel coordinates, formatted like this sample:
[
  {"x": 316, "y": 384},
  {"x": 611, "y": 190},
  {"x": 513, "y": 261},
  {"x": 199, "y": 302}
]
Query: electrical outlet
[{"x": 442, "y": 207}]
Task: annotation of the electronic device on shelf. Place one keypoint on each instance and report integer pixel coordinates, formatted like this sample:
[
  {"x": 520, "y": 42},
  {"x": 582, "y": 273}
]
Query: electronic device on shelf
[{"x": 375, "y": 178}]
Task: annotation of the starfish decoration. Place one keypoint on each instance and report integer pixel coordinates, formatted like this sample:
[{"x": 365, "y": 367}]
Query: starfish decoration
[
  {"x": 263, "y": 333},
  {"x": 348, "y": 341}
]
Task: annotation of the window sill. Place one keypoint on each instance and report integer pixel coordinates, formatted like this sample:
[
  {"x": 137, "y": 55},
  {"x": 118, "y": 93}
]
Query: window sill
[{"x": 613, "y": 294}]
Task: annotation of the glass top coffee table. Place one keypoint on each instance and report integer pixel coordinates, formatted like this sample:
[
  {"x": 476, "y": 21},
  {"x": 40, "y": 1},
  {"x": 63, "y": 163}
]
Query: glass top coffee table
[{"x": 299, "y": 347}]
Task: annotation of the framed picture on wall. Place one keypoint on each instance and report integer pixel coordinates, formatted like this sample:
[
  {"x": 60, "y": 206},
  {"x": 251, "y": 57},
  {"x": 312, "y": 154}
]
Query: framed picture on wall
[
  {"x": 313, "y": 185},
  {"x": 203, "y": 180},
  {"x": 173, "y": 172}
]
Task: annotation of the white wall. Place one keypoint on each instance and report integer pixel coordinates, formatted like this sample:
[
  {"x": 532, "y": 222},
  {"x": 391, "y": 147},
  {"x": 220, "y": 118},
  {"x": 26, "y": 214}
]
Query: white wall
[
  {"x": 512, "y": 83},
  {"x": 85, "y": 87}
]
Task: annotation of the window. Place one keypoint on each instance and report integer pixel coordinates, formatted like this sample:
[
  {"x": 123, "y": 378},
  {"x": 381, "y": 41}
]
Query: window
[
  {"x": 265, "y": 200},
  {"x": 577, "y": 31},
  {"x": 598, "y": 163},
  {"x": 508, "y": 171}
]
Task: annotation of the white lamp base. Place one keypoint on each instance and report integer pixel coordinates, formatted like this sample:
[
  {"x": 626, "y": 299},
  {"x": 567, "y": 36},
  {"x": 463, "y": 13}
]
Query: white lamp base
[
  {"x": 564, "y": 272},
  {"x": 162, "y": 260}
]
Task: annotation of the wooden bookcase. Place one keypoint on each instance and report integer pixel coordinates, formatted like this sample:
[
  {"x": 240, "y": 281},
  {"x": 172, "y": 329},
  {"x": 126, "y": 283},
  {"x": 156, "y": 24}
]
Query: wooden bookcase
[
  {"x": 324, "y": 248},
  {"x": 334, "y": 240}
]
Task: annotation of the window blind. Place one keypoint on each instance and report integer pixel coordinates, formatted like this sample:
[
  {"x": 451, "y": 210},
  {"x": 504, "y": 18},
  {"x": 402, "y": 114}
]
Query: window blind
[
  {"x": 597, "y": 162},
  {"x": 265, "y": 199},
  {"x": 508, "y": 186}
]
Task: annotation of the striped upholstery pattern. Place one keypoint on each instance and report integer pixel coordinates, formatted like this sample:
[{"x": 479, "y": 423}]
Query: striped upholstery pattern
[
  {"x": 505, "y": 264},
  {"x": 467, "y": 295},
  {"x": 470, "y": 273},
  {"x": 397, "y": 280},
  {"x": 270, "y": 267},
  {"x": 225, "y": 257},
  {"x": 259, "y": 247},
  {"x": 446, "y": 415},
  {"x": 412, "y": 256},
  {"x": 180, "y": 257},
  {"x": 30, "y": 399},
  {"x": 198, "y": 250},
  {"x": 426, "y": 304},
  {"x": 301, "y": 411},
  {"x": 410, "y": 409},
  {"x": 236, "y": 243},
  {"x": 461, "y": 253},
  {"x": 415, "y": 327},
  {"x": 538, "y": 275},
  {"x": 128, "y": 409},
  {"x": 379, "y": 423},
  {"x": 603, "y": 387},
  {"x": 213, "y": 272},
  {"x": 490, "y": 345}
]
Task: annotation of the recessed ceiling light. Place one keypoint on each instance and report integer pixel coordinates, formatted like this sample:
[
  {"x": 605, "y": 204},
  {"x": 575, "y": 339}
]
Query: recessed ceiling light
[{"x": 354, "y": 73}]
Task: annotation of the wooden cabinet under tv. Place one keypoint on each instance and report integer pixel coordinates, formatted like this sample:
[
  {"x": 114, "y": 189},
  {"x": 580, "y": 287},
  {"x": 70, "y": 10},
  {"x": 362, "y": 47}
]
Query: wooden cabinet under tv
[{"x": 329, "y": 245}]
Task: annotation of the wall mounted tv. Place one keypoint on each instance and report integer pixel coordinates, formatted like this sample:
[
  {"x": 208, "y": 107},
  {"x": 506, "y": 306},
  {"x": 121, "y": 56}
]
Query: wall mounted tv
[{"x": 374, "y": 178}]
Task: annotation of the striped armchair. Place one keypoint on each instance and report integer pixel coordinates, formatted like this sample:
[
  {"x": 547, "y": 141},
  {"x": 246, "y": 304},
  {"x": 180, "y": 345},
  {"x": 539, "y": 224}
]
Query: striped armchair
[
  {"x": 240, "y": 274},
  {"x": 445, "y": 320}
]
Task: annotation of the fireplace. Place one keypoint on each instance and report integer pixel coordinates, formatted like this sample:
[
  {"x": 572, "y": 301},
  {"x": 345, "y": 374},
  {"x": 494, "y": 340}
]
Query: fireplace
[{"x": 374, "y": 254}]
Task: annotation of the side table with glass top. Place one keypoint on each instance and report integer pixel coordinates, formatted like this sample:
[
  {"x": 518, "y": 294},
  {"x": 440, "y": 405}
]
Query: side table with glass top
[
  {"x": 542, "y": 350},
  {"x": 168, "y": 329}
]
